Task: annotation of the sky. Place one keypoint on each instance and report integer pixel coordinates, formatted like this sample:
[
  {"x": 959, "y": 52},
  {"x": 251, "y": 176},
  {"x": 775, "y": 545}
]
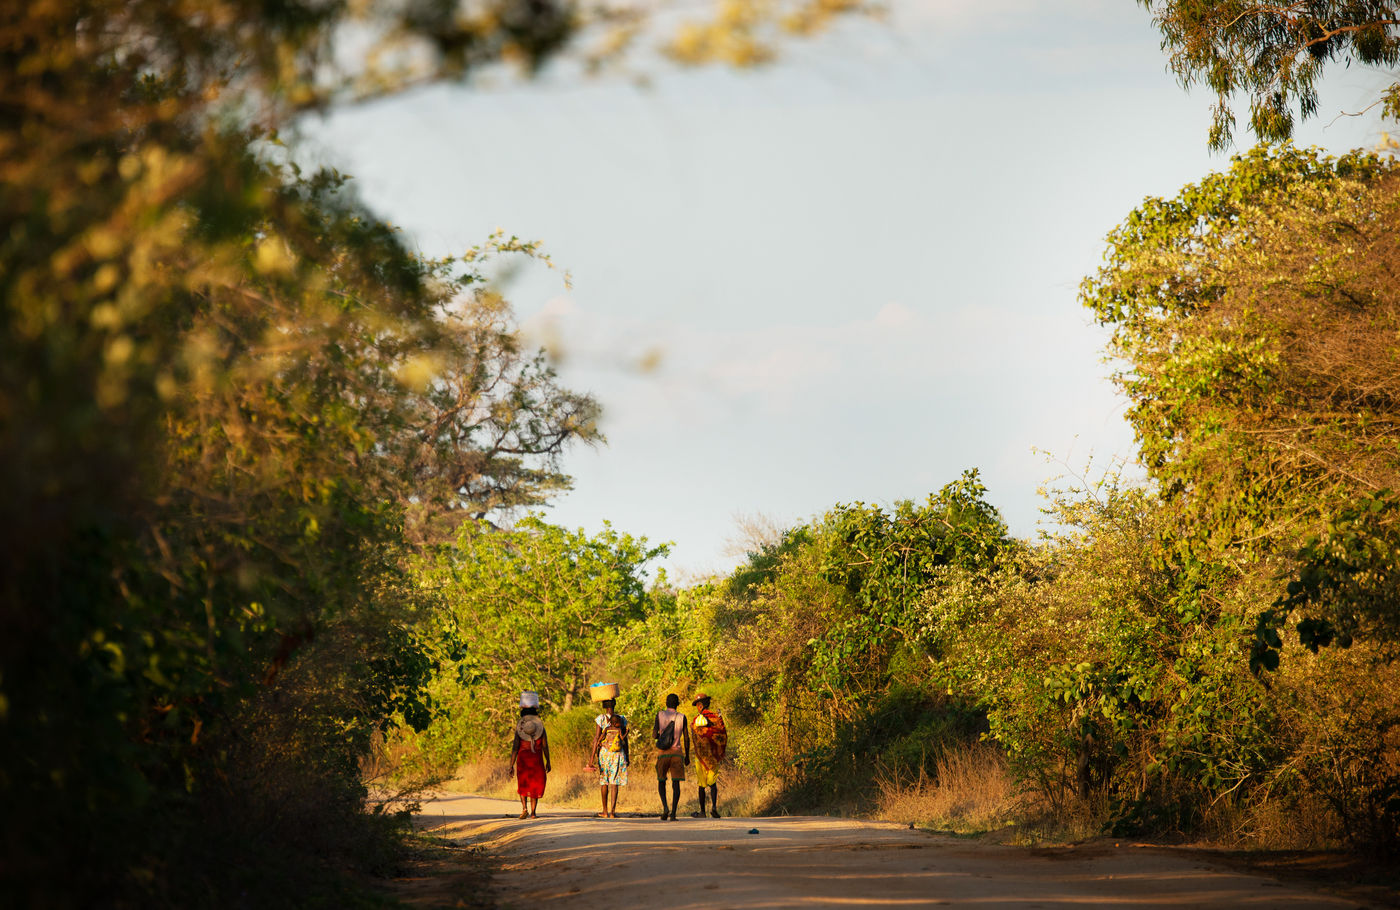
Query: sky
[{"x": 848, "y": 276}]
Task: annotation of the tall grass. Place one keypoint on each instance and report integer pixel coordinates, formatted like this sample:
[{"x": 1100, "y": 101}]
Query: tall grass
[{"x": 969, "y": 791}]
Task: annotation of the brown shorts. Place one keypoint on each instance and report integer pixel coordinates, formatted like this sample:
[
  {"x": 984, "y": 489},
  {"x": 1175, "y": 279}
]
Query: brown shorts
[{"x": 672, "y": 766}]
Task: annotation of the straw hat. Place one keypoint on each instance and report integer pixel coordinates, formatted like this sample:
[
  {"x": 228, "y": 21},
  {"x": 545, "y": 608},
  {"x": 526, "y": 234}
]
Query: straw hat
[{"x": 529, "y": 728}]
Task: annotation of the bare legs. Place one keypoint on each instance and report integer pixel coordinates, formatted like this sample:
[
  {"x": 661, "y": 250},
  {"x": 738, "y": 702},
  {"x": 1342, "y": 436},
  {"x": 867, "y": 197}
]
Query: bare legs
[
  {"x": 609, "y": 792},
  {"x": 527, "y": 806},
  {"x": 714, "y": 802},
  {"x": 612, "y": 801},
  {"x": 669, "y": 811}
]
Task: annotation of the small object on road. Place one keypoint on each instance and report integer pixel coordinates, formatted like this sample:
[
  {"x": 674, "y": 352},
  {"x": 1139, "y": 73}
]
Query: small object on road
[{"x": 753, "y": 830}]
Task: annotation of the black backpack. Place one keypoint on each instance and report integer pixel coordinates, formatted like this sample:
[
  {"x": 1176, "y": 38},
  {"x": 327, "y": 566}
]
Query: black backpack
[{"x": 667, "y": 738}]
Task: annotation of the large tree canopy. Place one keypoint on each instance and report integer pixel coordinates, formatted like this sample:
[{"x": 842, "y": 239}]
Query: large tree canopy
[{"x": 1257, "y": 317}]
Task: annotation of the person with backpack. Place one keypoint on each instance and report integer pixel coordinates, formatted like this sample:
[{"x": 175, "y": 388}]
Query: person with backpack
[
  {"x": 529, "y": 754},
  {"x": 711, "y": 739},
  {"x": 671, "y": 734}
]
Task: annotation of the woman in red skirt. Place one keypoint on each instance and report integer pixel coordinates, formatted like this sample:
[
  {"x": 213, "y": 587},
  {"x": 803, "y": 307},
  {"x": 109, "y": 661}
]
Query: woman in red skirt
[{"x": 529, "y": 754}]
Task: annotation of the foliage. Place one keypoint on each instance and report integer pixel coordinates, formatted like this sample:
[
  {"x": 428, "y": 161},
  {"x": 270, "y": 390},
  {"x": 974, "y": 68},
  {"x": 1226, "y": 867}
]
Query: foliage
[
  {"x": 884, "y": 561},
  {"x": 1343, "y": 724},
  {"x": 219, "y": 377},
  {"x": 811, "y": 632},
  {"x": 1062, "y": 644},
  {"x": 1275, "y": 53},
  {"x": 531, "y": 608},
  {"x": 745, "y": 33},
  {"x": 1256, "y": 317}
]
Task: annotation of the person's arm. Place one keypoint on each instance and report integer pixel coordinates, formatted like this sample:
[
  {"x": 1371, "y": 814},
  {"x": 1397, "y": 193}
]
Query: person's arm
[
  {"x": 626, "y": 751},
  {"x": 597, "y": 744},
  {"x": 544, "y": 738},
  {"x": 514, "y": 749},
  {"x": 685, "y": 736}
]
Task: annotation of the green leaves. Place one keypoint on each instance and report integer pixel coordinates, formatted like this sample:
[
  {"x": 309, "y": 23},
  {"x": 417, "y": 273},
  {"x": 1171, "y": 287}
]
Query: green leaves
[
  {"x": 1347, "y": 579},
  {"x": 532, "y": 607},
  {"x": 1273, "y": 53}
]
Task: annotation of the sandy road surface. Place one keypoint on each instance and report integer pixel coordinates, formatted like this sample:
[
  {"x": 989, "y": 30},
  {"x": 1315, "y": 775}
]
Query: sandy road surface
[{"x": 571, "y": 860}]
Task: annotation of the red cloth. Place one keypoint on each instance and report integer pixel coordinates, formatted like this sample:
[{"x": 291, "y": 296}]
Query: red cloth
[{"x": 529, "y": 771}]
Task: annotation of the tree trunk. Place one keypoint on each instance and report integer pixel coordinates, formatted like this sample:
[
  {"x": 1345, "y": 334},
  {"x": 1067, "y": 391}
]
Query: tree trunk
[{"x": 1083, "y": 767}]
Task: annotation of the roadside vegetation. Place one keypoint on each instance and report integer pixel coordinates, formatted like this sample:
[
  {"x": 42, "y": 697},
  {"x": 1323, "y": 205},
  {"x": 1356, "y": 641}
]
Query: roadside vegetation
[
  {"x": 263, "y": 471},
  {"x": 1208, "y": 655}
]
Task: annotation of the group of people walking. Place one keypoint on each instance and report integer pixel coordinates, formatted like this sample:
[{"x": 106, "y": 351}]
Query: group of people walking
[{"x": 677, "y": 739}]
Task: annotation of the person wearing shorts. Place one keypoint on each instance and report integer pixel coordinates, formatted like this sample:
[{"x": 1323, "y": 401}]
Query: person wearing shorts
[{"x": 671, "y": 734}]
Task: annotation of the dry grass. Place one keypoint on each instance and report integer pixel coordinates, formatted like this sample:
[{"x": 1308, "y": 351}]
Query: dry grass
[{"x": 970, "y": 791}]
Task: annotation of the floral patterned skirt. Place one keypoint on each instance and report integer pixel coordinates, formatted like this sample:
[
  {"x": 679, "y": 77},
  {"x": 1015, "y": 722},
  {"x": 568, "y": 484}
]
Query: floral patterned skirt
[{"x": 612, "y": 768}]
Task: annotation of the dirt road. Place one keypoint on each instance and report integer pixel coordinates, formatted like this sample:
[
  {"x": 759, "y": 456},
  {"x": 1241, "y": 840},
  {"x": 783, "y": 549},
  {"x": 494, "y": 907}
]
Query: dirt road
[{"x": 571, "y": 860}]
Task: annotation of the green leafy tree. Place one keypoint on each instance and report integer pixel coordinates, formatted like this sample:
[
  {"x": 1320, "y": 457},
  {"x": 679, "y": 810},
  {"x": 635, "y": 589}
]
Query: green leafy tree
[
  {"x": 534, "y": 607},
  {"x": 1256, "y": 316},
  {"x": 1061, "y": 643},
  {"x": 886, "y": 561},
  {"x": 815, "y": 628}
]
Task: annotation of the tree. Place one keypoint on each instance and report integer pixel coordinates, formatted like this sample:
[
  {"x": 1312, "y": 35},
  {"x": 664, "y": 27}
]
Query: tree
[
  {"x": 1274, "y": 51},
  {"x": 487, "y": 431},
  {"x": 1257, "y": 318},
  {"x": 1066, "y": 643},
  {"x": 224, "y": 388},
  {"x": 530, "y": 608},
  {"x": 1256, "y": 314}
]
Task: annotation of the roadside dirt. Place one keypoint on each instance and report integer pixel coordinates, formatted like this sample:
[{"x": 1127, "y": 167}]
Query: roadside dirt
[{"x": 573, "y": 860}]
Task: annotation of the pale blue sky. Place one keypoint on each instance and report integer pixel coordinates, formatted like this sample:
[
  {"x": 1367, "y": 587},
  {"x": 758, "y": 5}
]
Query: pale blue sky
[{"x": 859, "y": 266}]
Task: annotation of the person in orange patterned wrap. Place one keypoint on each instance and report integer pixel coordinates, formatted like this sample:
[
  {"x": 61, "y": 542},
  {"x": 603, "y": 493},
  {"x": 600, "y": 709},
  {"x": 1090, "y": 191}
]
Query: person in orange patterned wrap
[
  {"x": 529, "y": 754},
  {"x": 710, "y": 739}
]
